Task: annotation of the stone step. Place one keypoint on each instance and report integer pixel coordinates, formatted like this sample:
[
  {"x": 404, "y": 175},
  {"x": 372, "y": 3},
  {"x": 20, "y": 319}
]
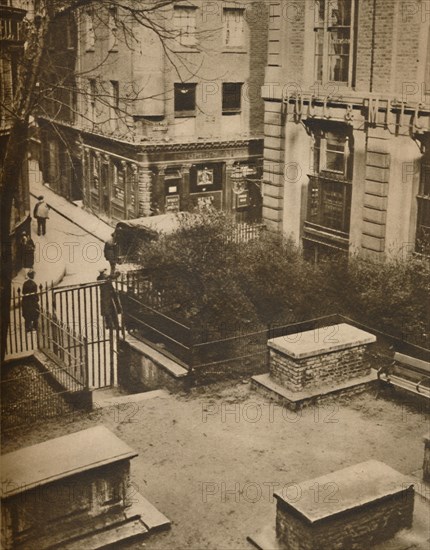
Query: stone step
[
  {"x": 113, "y": 535},
  {"x": 153, "y": 519}
]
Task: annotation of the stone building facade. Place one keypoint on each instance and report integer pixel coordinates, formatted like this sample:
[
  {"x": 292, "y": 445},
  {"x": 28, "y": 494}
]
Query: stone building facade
[
  {"x": 155, "y": 126},
  {"x": 347, "y": 126}
]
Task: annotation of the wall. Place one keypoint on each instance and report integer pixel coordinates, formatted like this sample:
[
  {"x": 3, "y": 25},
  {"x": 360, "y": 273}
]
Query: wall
[
  {"x": 319, "y": 370},
  {"x": 359, "y": 528},
  {"x": 392, "y": 49}
]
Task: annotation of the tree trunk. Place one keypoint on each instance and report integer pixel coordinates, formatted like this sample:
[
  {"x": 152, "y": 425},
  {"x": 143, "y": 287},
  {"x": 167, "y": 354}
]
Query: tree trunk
[{"x": 15, "y": 156}]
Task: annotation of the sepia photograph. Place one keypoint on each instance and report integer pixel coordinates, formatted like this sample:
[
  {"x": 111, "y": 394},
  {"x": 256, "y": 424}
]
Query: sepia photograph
[{"x": 215, "y": 274}]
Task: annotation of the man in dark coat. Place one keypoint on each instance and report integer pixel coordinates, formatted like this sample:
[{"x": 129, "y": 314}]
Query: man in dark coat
[
  {"x": 27, "y": 250},
  {"x": 110, "y": 306},
  {"x": 111, "y": 253},
  {"x": 30, "y": 303}
]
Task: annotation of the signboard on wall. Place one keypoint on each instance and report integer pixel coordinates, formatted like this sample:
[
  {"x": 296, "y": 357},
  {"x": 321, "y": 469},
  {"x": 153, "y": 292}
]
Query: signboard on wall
[
  {"x": 243, "y": 200},
  {"x": 172, "y": 203},
  {"x": 202, "y": 200},
  {"x": 205, "y": 177}
]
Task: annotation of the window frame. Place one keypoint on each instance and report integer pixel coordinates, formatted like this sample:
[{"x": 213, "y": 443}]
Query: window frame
[
  {"x": 229, "y": 14},
  {"x": 423, "y": 210},
  {"x": 187, "y": 39},
  {"x": 226, "y": 111},
  {"x": 323, "y": 24},
  {"x": 113, "y": 29},
  {"x": 90, "y": 36},
  {"x": 325, "y": 181},
  {"x": 185, "y": 113}
]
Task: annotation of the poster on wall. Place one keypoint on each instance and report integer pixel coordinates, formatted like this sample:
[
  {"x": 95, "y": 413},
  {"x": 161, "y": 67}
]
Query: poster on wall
[
  {"x": 205, "y": 177},
  {"x": 172, "y": 203}
]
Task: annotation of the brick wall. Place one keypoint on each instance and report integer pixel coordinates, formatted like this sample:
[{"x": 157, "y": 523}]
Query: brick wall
[
  {"x": 355, "y": 529},
  {"x": 319, "y": 370}
]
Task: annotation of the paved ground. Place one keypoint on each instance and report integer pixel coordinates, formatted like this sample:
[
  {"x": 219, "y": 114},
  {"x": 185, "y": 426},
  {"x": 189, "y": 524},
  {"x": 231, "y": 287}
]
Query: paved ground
[{"x": 210, "y": 460}]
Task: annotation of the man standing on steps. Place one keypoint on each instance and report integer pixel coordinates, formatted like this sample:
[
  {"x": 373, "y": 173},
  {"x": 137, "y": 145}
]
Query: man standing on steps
[
  {"x": 30, "y": 302},
  {"x": 111, "y": 253},
  {"x": 41, "y": 213}
]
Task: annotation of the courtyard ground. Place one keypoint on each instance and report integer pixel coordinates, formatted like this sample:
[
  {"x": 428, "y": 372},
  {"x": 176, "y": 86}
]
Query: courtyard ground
[{"x": 211, "y": 459}]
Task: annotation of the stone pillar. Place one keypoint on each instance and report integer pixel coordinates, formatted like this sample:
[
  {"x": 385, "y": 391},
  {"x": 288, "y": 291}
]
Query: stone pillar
[
  {"x": 426, "y": 463},
  {"x": 134, "y": 191},
  {"x": 144, "y": 191},
  {"x": 273, "y": 167},
  {"x": 377, "y": 177},
  {"x": 185, "y": 191},
  {"x": 228, "y": 199}
]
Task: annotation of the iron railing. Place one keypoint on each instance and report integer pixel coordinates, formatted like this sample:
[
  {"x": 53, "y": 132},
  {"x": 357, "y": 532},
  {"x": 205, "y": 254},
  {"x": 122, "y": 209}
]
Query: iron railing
[{"x": 66, "y": 349}]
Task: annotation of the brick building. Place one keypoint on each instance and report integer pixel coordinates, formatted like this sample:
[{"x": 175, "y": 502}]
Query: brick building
[
  {"x": 347, "y": 126},
  {"x": 12, "y": 13},
  {"x": 150, "y": 126}
]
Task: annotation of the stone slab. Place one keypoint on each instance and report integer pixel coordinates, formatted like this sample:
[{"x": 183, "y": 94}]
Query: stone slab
[
  {"x": 109, "y": 537},
  {"x": 60, "y": 458},
  {"x": 152, "y": 518},
  {"x": 103, "y": 402},
  {"x": 301, "y": 398},
  {"x": 417, "y": 537},
  {"x": 167, "y": 364},
  {"x": 357, "y": 485},
  {"x": 321, "y": 340}
]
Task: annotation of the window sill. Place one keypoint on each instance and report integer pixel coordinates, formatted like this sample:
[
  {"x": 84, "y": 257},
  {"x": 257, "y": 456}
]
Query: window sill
[
  {"x": 190, "y": 114},
  {"x": 316, "y": 229},
  {"x": 231, "y": 113},
  {"x": 237, "y": 49},
  {"x": 186, "y": 49}
]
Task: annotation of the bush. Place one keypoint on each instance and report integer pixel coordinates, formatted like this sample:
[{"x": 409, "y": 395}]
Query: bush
[{"x": 221, "y": 287}]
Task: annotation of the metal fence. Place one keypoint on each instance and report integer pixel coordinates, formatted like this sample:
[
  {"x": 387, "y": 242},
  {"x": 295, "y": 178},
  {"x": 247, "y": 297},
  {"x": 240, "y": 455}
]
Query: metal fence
[
  {"x": 244, "y": 232},
  {"x": 29, "y": 393},
  {"x": 67, "y": 349}
]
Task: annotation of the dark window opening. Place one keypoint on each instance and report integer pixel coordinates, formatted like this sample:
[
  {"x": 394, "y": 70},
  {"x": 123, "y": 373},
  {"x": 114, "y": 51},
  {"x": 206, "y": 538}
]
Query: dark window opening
[
  {"x": 185, "y": 99},
  {"x": 231, "y": 98},
  {"x": 423, "y": 216}
]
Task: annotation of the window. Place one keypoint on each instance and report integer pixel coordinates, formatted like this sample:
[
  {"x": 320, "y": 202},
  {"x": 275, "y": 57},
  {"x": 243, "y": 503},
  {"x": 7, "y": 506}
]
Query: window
[
  {"x": 427, "y": 70},
  {"x": 185, "y": 25},
  {"x": 334, "y": 36},
  {"x": 185, "y": 100},
  {"x": 114, "y": 106},
  {"x": 113, "y": 30},
  {"x": 89, "y": 32},
  {"x": 423, "y": 218},
  {"x": 332, "y": 153},
  {"x": 92, "y": 99},
  {"x": 234, "y": 27},
  {"x": 330, "y": 189},
  {"x": 231, "y": 98}
]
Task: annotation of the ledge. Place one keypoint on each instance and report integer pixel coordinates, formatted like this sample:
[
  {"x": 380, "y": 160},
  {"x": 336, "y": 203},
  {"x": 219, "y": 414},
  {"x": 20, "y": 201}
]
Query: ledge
[
  {"x": 358, "y": 486},
  {"x": 294, "y": 400},
  {"x": 308, "y": 344}
]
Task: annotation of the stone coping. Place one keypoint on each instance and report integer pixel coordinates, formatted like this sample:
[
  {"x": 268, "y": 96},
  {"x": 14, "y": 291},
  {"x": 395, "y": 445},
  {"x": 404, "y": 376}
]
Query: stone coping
[
  {"x": 60, "y": 458},
  {"x": 406, "y": 539},
  {"x": 426, "y": 439},
  {"x": 300, "y": 397},
  {"x": 351, "y": 488},
  {"x": 321, "y": 340}
]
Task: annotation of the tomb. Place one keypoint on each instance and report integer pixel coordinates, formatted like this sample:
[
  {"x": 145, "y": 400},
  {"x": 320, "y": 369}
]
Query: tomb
[
  {"x": 358, "y": 507},
  {"x": 73, "y": 492},
  {"x": 316, "y": 363}
]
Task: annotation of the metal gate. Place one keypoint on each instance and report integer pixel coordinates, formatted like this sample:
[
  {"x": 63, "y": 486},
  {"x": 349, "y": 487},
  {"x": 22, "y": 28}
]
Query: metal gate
[{"x": 79, "y": 308}]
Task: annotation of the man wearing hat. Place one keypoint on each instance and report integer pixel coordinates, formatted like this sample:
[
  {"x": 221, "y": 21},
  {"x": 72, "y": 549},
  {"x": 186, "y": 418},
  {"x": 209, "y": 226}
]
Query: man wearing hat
[
  {"x": 30, "y": 302},
  {"x": 41, "y": 213}
]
